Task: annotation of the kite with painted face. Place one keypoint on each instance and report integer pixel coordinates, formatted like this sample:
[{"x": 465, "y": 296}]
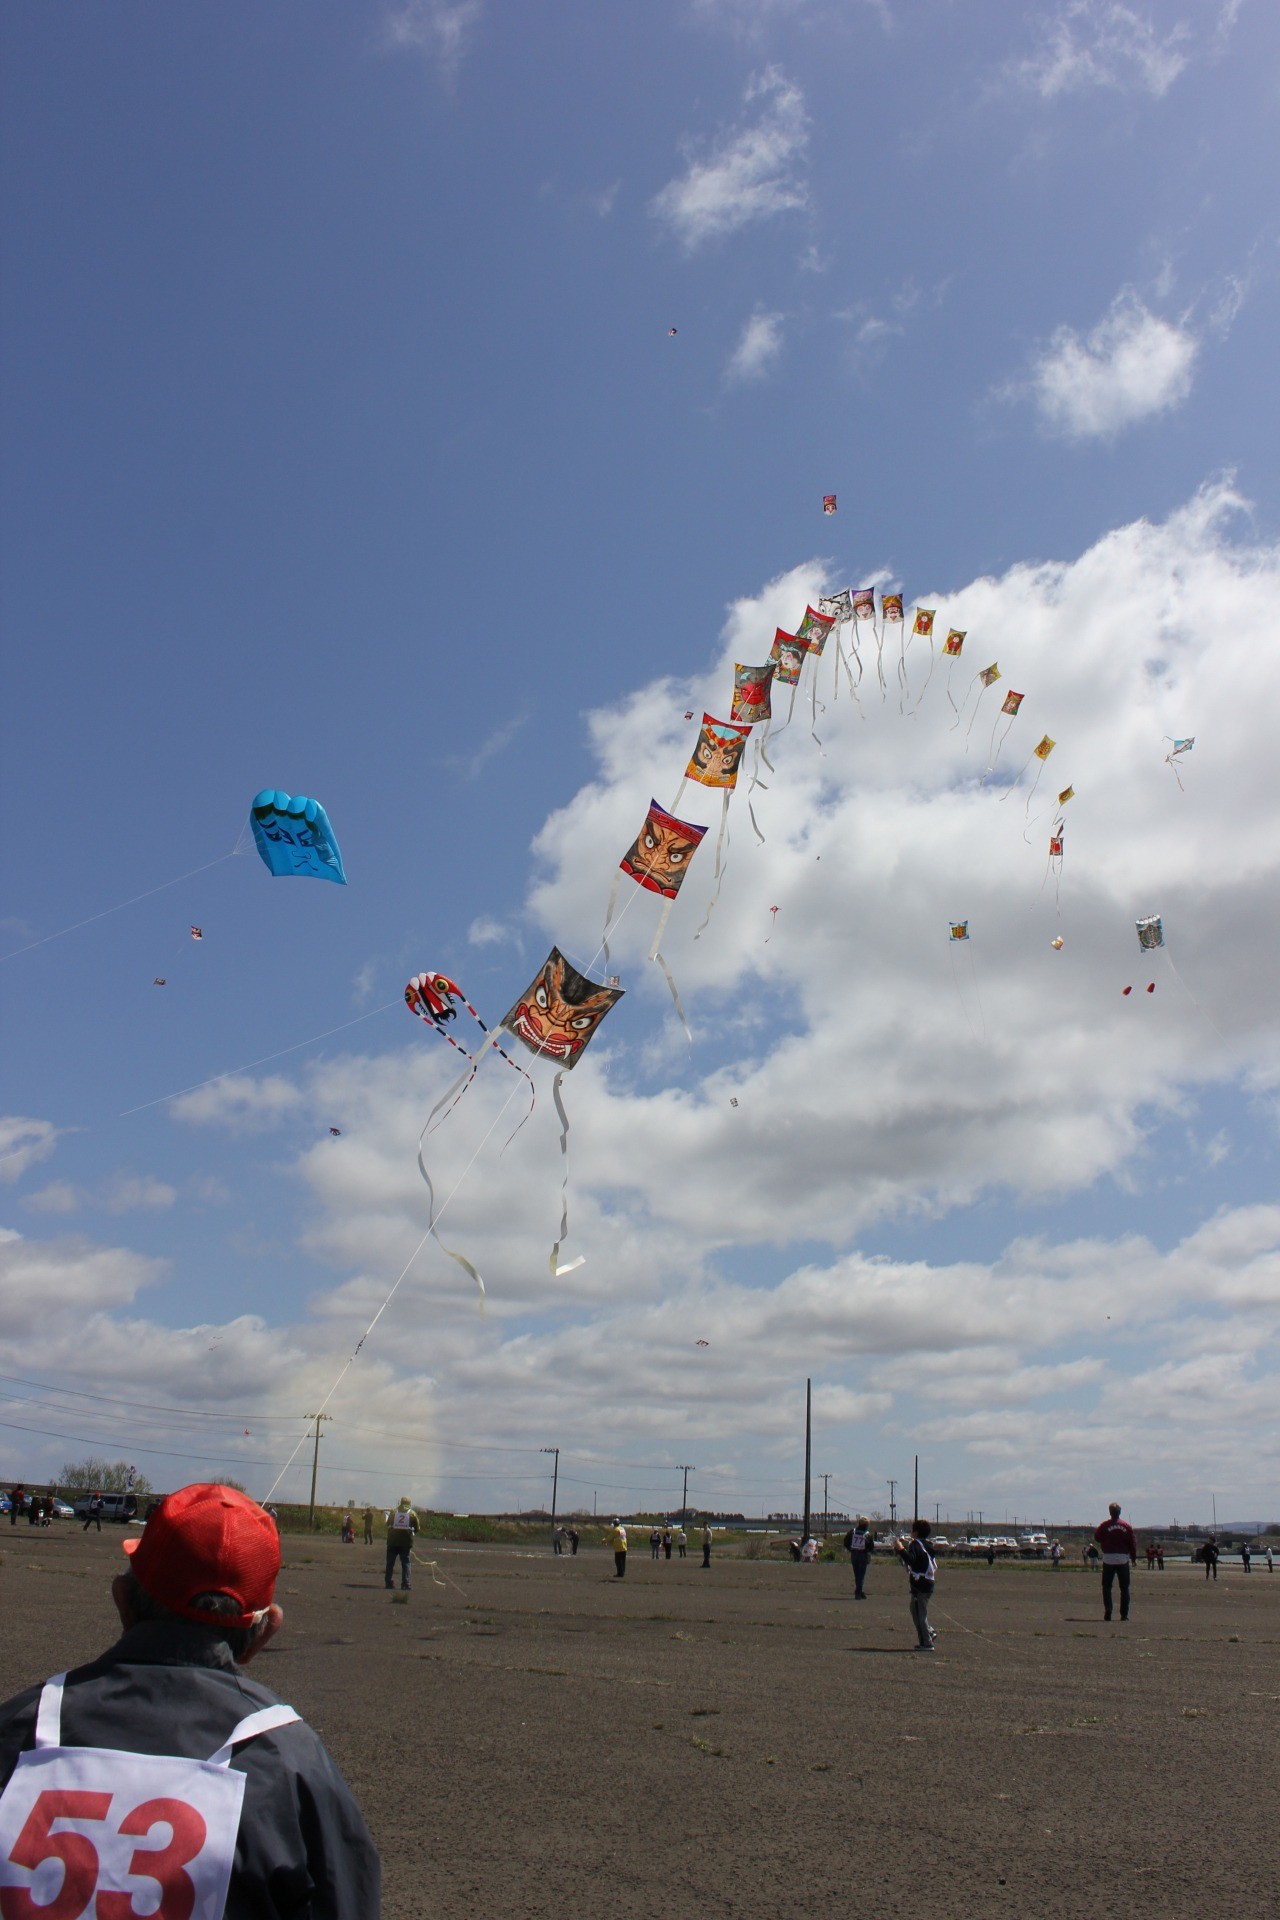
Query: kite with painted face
[
  {"x": 559, "y": 1012},
  {"x": 837, "y": 606},
  {"x": 717, "y": 753},
  {"x": 814, "y": 628},
  {"x": 891, "y": 606},
  {"x": 828, "y": 503},
  {"x": 953, "y": 643},
  {"x": 658, "y": 860},
  {"x": 959, "y": 929},
  {"x": 751, "y": 698},
  {"x": 787, "y": 657},
  {"x": 294, "y": 837},
  {"x": 984, "y": 678},
  {"x": 923, "y": 623},
  {"x": 1009, "y": 711},
  {"x": 556, "y": 1017},
  {"x": 1150, "y": 933}
]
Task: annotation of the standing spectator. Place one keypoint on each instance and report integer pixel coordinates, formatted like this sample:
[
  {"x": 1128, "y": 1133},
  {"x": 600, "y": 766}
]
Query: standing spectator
[
  {"x": 1119, "y": 1552},
  {"x": 655, "y": 1544},
  {"x": 617, "y": 1538},
  {"x": 860, "y": 1545},
  {"x": 682, "y": 1541},
  {"x": 17, "y": 1499},
  {"x": 706, "y": 1546},
  {"x": 1160, "y": 1555},
  {"x": 1151, "y": 1555},
  {"x": 991, "y": 1553},
  {"x": 666, "y": 1543},
  {"x": 573, "y": 1540},
  {"x": 35, "y": 1506},
  {"x": 1270, "y": 1568},
  {"x": 1209, "y": 1554},
  {"x": 368, "y": 1526},
  {"x": 1055, "y": 1555},
  {"x": 94, "y": 1515},
  {"x": 922, "y": 1571},
  {"x": 402, "y": 1526},
  {"x": 1246, "y": 1556},
  {"x": 558, "y": 1539},
  {"x": 348, "y": 1529},
  {"x": 170, "y": 1714}
]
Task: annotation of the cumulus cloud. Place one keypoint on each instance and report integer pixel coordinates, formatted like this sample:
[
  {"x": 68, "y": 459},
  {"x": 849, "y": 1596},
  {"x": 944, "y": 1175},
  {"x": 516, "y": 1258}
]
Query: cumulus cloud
[
  {"x": 751, "y": 174},
  {"x": 757, "y": 350},
  {"x": 438, "y": 30},
  {"x": 874, "y": 1084},
  {"x": 23, "y": 1144},
  {"x": 1131, "y": 366},
  {"x": 59, "y": 1196},
  {"x": 130, "y": 1193},
  {"x": 1102, "y": 43}
]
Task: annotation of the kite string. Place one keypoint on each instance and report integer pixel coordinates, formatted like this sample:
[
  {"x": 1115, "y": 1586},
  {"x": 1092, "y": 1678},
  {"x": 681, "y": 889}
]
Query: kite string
[
  {"x": 437, "y": 1216},
  {"x": 231, "y": 1072},
  {"x": 120, "y": 905}
]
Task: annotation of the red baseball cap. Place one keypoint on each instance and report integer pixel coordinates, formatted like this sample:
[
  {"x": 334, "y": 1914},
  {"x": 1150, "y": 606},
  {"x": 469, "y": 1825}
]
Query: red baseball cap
[{"x": 208, "y": 1539}]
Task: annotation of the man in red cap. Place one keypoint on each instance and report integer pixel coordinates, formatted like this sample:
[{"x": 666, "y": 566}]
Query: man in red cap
[{"x": 175, "y": 1770}]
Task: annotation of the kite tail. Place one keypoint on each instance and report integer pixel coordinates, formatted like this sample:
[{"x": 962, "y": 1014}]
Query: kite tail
[
  {"x": 933, "y": 661},
  {"x": 515, "y": 1068},
  {"x": 452, "y": 1094},
  {"x": 460, "y": 1258},
  {"x": 613, "y": 901},
  {"x": 554, "y": 1261},
  {"x": 973, "y": 716},
  {"x": 1013, "y": 783},
  {"x": 813, "y": 729},
  {"x": 879, "y": 634},
  {"x": 1034, "y": 784},
  {"x": 722, "y": 842},
  {"x": 1172, "y": 766},
  {"x": 903, "y": 688},
  {"x": 656, "y": 956},
  {"x": 954, "y": 708}
]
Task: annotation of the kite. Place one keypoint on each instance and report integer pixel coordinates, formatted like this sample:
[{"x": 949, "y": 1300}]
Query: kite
[
  {"x": 1068, "y": 793},
  {"x": 733, "y": 1099},
  {"x": 159, "y": 981},
  {"x": 1040, "y": 752},
  {"x": 671, "y": 333},
  {"x": 658, "y": 860},
  {"x": 958, "y": 939},
  {"x": 294, "y": 837},
  {"x": 702, "y": 1343},
  {"x": 716, "y": 758},
  {"x": 1012, "y": 701},
  {"x": 923, "y": 623},
  {"x": 1177, "y": 749},
  {"x": 814, "y": 628},
  {"x": 688, "y": 713},
  {"x": 953, "y": 643},
  {"x": 751, "y": 701},
  {"x": 1151, "y": 987},
  {"x": 864, "y": 608},
  {"x": 1057, "y": 943},
  {"x": 959, "y": 929},
  {"x": 773, "y": 921},
  {"x": 1054, "y": 862},
  {"x": 828, "y": 503},
  {"x": 431, "y": 997},
  {"x": 1150, "y": 932},
  {"x": 197, "y": 933},
  {"x": 556, "y": 1017},
  {"x": 952, "y": 648},
  {"x": 787, "y": 657},
  {"x": 891, "y": 606},
  {"x": 336, "y": 1132}
]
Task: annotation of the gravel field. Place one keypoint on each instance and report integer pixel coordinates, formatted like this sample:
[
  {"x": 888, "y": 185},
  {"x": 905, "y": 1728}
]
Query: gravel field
[{"x": 535, "y": 1737}]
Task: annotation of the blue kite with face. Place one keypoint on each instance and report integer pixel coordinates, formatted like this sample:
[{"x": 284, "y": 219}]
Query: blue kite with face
[{"x": 294, "y": 837}]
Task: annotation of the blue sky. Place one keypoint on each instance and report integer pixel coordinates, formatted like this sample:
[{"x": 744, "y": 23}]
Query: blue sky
[{"x": 349, "y": 452}]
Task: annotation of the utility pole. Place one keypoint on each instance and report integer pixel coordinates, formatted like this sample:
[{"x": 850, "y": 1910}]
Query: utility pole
[
  {"x": 684, "y": 1493},
  {"x": 893, "y": 1505},
  {"x": 826, "y": 1502},
  {"x": 555, "y": 1482},
  {"x": 808, "y": 1450},
  {"x": 915, "y": 1498},
  {"x": 315, "y": 1468}
]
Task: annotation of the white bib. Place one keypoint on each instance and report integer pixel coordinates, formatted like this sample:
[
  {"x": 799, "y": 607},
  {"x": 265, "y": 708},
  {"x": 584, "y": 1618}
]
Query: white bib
[{"x": 108, "y": 1835}]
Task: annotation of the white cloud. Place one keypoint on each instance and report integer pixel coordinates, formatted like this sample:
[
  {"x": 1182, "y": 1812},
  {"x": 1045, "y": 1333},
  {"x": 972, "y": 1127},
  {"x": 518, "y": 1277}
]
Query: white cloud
[
  {"x": 751, "y": 175},
  {"x": 439, "y": 30},
  {"x": 60, "y": 1196},
  {"x": 1100, "y": 43},
  {"x": 1132, "y": 366},
  {"x": 495, "y": 743},
  {"x": 23, "y": 1144},
  {"x": 485, "y": 931},
  {"x": 130, "y": 1193},
  {"x": 363, "y": 983},
  {"x": 237, "y": 1101},
  {"x": 757, "y": 350}
]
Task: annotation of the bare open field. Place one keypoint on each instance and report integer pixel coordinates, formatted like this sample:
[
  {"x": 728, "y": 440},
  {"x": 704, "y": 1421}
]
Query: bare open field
[{"x": 538, "y": 1738}]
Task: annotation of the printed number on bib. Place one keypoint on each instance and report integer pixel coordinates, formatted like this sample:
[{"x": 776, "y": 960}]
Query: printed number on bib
[{"x": 172, "y": 1833}]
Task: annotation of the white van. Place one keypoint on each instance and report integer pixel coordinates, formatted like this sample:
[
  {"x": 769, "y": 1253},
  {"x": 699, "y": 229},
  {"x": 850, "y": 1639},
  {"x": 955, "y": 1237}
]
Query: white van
[{"x": 119, "y": 1508}]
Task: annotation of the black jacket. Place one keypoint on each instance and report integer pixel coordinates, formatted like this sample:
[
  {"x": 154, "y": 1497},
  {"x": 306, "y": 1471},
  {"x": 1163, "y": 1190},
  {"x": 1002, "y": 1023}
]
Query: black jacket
[{"x": 303, "y": 1851}]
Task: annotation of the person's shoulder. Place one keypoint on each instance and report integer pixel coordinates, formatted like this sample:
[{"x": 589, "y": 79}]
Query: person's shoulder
[{"x": 17, "y": 1725}]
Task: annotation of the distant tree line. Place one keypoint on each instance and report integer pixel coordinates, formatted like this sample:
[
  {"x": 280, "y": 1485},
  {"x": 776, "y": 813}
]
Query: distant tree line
[{"x": 108, "y": 1476}]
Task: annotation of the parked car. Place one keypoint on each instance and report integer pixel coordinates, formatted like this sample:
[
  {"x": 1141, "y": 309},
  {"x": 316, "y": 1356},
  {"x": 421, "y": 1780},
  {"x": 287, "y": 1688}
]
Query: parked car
[
  {"x": 119, "y": 1508},
  {"x": 939, "y": 1543},
  {"x": 61, "y": 1511}
]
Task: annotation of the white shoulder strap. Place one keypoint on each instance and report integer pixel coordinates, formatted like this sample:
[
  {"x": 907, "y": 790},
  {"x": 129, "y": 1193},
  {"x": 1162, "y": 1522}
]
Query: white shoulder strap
[
  {"x": 265, "y": 1720},
  {"x": 49, "y": 1712}
]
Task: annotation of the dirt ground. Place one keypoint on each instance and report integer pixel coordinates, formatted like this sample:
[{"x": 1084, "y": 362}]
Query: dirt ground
[{"x": 535, "y": 1737}]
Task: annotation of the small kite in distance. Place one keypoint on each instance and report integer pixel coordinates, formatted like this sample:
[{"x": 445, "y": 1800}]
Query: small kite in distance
[
  {"x": 159, "y": 981},
  {"x": 336, "y": 1132},
  {"x": 1177, "y": 749},
  {"x": 828, "y": 503},
  {"x": 702, "y": 1343},
  {"x": 671, "y": 332},
  {"x": 197, "y": 933},
  {"x": 1057, "y": 943}
]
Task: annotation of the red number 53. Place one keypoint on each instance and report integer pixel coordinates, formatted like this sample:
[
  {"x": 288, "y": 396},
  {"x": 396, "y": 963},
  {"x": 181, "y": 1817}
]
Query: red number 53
[{"x": 165, "y": 1865}]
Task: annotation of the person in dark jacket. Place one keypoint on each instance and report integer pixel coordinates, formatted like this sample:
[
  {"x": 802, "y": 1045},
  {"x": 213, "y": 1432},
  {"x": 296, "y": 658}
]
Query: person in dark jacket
[
  {"x": 196, "y": 1606},
  {"x": 1119, "y": 1553},
  {"x": 922, "y": 1570},
  {"x": 860, "y": 1545}
]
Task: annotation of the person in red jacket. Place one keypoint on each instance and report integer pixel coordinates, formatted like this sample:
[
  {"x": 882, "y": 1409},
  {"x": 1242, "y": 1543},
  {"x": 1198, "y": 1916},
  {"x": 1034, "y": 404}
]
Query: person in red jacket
[{"x": 1119, "y": 1552}]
